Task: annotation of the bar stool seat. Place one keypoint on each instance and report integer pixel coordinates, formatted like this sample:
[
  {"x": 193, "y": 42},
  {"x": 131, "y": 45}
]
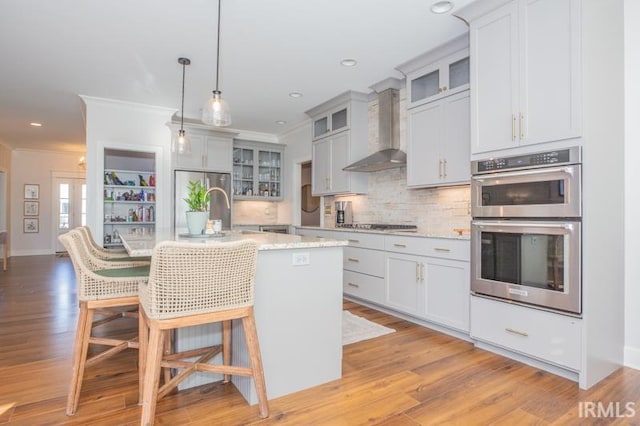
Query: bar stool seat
[
  {"x": 103, "y": 288},
  {"x": 193, "y": 284}
]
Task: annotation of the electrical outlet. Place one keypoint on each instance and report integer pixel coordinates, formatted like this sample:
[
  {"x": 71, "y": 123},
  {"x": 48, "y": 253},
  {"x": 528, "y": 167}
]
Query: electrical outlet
[
  {"x": 267, "y": 212},
  {"x": 300, "y": 259}
]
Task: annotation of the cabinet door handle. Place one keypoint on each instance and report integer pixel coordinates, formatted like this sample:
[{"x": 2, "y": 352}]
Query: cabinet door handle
[
  {"x": 351, "y": 259},
  {"x": 354, "y": 241},
  {"x": 442, "y": 250},
  {"x": 353, "y": 285},
  {"x": 518, "y": 332},
  {"x": 513, "y": 127},
  {"x": 444, "y": 168},
  {"x": 521, "y": 126},
  {"x": 440, "y": 168},
  {"x": 400, "y": 245},
  {"x": 418, "y": 279},
  {"x": 422, "y": 272}
]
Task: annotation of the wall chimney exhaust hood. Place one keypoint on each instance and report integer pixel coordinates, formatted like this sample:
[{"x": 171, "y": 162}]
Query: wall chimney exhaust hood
[{"x": 389, "y": 155}]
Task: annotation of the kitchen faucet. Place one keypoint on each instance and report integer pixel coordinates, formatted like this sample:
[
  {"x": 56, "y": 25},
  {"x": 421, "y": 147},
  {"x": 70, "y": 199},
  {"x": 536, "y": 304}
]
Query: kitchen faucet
[{"x": 216, "y": 188}]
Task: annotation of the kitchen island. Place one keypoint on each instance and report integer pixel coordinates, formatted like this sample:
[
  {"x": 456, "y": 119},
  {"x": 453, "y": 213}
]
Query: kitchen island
[{"x": 298, "y": 310}]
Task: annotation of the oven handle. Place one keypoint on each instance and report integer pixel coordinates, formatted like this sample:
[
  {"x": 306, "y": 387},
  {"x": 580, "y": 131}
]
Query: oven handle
[
  {"x": 566, "y": 169},
  {"x": 567, "y": 226}
]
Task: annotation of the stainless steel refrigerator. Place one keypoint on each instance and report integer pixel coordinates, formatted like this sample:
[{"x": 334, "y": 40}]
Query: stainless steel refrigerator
[{"x": 217, "y": 208}]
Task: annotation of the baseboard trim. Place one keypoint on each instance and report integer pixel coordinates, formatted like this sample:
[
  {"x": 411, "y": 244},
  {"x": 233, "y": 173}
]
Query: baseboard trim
[{"x": 632, "y": 357}]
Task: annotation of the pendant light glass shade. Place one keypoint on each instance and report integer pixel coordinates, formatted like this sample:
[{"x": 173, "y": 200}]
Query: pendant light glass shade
[
  {"x": 181, "y": 142},
  {"x": 216, "y": 112}
]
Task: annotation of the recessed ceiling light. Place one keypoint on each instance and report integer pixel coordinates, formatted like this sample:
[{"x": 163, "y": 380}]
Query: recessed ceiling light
[
  {"x": 295, "y": 94},
  {"x": 34, "y": 124},
  {"x": 281, "y": 122},
  {"x": 441, "y": 7},
  {"x": 348, "y": 62}
]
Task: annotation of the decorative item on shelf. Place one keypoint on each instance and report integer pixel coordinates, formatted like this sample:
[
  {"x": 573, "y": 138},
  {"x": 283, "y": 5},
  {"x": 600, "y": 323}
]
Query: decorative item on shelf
[
  {"x": 216, "y": 111},
  {"x": 142, "y": 181},
  {"x": 152, "y": 180},
  {"x": 181, "y": 143}
]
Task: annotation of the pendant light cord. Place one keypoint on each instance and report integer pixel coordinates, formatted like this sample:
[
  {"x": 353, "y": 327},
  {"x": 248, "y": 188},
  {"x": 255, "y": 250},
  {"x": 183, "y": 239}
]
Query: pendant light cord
[
  {"x": 218, "y": 48},
  {"x": 184, "y": 65}
]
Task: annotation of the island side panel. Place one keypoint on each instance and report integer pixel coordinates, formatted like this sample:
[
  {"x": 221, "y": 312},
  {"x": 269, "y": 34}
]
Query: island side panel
[{"x": 298, "y": 313}]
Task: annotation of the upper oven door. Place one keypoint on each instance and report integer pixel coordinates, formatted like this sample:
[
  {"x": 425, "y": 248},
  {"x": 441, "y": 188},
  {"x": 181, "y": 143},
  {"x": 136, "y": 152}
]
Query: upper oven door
[{"x": 544, "y": 192}]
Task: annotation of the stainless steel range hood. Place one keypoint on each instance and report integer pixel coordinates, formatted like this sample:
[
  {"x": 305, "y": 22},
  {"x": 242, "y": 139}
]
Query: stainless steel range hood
[{"x": 389, "y": 155}]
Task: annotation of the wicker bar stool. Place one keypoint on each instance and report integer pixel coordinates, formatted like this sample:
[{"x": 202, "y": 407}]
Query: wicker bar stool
[
  {"x": 102, "y": 287},
  {"x": 114, "y": 255},
  {"x": 3, "y": 243},
  {"x": 192, "y": 284}
]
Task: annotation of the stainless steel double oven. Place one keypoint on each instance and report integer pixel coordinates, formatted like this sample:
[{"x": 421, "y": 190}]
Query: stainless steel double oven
[{"x": 526, "y": 229}]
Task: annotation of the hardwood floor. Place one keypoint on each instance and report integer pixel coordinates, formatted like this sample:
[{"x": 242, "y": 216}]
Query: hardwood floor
[{"x": 415, "y": 376}]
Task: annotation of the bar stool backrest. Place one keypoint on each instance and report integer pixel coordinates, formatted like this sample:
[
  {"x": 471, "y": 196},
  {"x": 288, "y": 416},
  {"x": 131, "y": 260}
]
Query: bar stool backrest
[{"x": 188, "y": 278}]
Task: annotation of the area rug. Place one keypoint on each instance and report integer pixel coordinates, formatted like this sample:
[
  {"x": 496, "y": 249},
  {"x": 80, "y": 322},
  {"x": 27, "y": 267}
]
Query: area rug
[{"x": 356, "y": 329}]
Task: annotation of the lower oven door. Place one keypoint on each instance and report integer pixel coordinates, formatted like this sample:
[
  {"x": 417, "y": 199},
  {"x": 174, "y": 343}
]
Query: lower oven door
[{"x": 533, "y": 262}]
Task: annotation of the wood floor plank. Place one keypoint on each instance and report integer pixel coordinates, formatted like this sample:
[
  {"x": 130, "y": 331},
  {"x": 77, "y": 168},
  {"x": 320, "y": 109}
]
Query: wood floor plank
[{"x": 415, "y": 376}]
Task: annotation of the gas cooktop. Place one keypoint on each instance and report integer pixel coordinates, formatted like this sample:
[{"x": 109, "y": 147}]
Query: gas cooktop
[{"x": 378, "y": 226}]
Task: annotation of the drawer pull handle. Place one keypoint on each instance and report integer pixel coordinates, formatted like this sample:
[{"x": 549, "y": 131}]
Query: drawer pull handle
[
  {"x": 351, "y": 259},
  {"x": 354, "y": 241},
  {"x": 353, "y": 285},
  {"x": 443, "y": 250},
  {"x": 400, "y": 245},
  {"x": 519, "y": 333}
]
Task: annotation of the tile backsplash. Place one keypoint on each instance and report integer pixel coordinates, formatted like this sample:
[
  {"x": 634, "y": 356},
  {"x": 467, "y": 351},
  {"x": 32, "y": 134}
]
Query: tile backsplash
[{"x": 433, "y": 210}]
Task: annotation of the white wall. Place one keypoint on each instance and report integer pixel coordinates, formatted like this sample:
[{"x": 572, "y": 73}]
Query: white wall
[
  {"x": 632, "y": 179},
  {"x": 126, "y": 126},
  {"x": 36, "y": 167}
]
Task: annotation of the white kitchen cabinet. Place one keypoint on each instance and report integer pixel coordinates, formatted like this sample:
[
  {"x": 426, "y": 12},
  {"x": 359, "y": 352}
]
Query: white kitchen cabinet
[
  {"x": 437, "y": 73},
  {"x": 438, "y": 142},
  {"x": 447, "y": 292},
  {"x": 405, "y": 287},
  {"x": 339, "y": 145},
  {"x": 525, "y": 74},
  {"x": 257, "y": 171},
  {"x": 210, "y": 150},
  {"x": 546, "y": 336},
  {"x": 329, "y": 156}
]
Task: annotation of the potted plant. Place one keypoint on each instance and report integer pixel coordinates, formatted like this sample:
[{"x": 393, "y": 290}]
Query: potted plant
[{"x": 198, "y": 202}]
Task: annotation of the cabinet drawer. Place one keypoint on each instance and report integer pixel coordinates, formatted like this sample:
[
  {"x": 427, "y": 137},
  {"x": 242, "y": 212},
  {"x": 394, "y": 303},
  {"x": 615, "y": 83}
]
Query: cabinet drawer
[
  {"x": 367, "y": 261},
  {"x": 363, "y": 286},
  {"x": 423, "y": 246},
  {"x": 363, "y": 240},
  {"x": 544, "y": 335}
]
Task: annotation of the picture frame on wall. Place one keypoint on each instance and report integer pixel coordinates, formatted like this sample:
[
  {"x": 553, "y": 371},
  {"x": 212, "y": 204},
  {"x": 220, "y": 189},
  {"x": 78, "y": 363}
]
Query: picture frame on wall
[
  {"x": 31, "y": 225},
  {"x": 31, "y": 191},
  {"x": 31, "y": 208}
]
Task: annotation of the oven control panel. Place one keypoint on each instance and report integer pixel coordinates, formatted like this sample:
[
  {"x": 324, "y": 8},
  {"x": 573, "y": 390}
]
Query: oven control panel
[{"x": 527, "y": 161}]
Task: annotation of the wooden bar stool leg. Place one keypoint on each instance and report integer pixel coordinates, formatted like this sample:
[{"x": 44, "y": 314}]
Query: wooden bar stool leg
[
  {"x": 253, "y": 348},
  {"x": 152, "y": 375},
  {"x": 80, "y": 349},
  {"x": 226, "y": 347},
  {"x": 143, "y": 344},
  {"x": 168, "y": 350}
]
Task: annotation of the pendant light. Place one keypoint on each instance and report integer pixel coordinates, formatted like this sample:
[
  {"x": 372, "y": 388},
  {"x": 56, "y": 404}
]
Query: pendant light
[
  {"x": 182, "y": 143},
  {"x": 216, "y": 111}
]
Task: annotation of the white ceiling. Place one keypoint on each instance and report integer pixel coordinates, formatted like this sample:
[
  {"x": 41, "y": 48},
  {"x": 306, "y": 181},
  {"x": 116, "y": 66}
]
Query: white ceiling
[{"x": 52, "y": 51}]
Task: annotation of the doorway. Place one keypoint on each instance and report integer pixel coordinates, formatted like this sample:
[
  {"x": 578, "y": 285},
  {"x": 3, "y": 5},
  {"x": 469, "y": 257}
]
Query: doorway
[
  {"x": 310, "y": 205},
  {"x": 3, "y": 213},
  {"x": 70, "y": 206}
]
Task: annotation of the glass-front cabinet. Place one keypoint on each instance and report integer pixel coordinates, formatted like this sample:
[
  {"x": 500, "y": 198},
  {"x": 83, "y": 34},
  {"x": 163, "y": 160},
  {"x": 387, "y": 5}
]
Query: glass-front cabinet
[
  {"x": 257, "y": 171},
  {"x": 332, "y": 122},
  {"x": 437, "y": 73}
]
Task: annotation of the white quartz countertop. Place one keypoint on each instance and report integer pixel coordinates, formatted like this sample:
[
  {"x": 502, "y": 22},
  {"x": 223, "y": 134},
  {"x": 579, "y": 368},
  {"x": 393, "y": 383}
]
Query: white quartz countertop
[
  {"x": 140, "y": 243},
  {"x": 416, "y": 233}
]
